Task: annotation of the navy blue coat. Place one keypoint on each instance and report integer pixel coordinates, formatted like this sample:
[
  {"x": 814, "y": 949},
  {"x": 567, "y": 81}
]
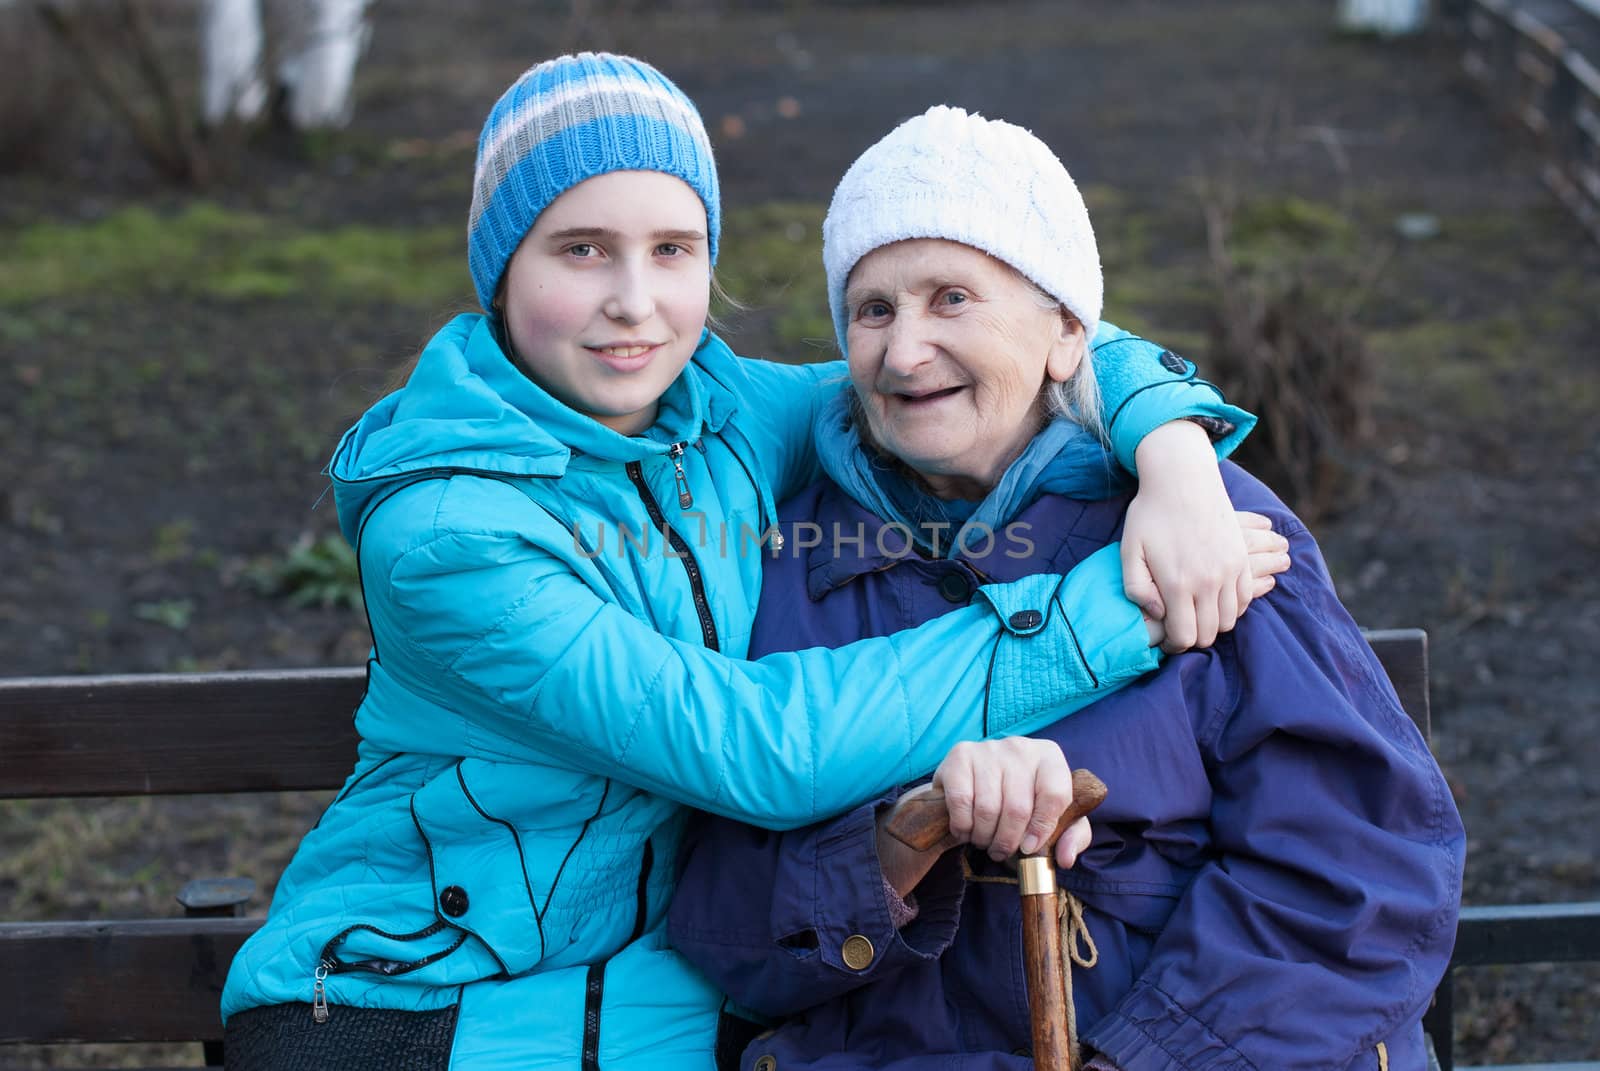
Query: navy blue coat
[{"x": 1273, "y": 881}]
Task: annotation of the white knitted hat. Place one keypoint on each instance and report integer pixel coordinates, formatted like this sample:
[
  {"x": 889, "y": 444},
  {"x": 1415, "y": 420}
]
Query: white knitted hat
[{"x": 982, "y": 182}]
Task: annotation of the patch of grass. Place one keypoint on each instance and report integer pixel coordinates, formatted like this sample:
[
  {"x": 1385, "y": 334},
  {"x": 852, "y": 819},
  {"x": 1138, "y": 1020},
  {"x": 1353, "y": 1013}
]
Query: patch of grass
[
  {"x": 314, "y": 571},
  {"x": 175, "y": 614},
  {"x": 172, "y": 541},
  {"x": 127, "y": 858},
  {"x": 1267, "y": 231},
  {"x": 208, "y": 250},
  {"x": 1462, "y": 365}
]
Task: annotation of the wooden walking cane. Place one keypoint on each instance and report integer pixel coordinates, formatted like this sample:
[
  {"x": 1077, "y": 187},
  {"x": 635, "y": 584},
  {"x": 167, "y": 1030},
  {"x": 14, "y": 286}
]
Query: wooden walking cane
[{"x": 920, "y": 821}]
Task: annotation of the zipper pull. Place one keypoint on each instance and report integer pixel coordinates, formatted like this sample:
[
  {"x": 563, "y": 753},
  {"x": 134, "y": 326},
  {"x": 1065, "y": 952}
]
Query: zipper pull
[
  {"x": 685, "y": 499},
  {"x": 319, "y": 996}
]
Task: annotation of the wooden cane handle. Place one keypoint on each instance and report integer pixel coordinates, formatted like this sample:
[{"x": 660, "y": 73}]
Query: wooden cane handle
[{"x": 921, "y": 820}]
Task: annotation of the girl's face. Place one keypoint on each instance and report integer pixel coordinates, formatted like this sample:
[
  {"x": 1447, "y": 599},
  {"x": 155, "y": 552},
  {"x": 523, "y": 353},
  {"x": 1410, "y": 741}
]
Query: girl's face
[
  {"x": 607, "y": 295},
  {"x": 950, "y": 351}
]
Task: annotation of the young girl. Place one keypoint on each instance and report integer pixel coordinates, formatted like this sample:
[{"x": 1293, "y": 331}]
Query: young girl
[{"x": 560, "y": 523}]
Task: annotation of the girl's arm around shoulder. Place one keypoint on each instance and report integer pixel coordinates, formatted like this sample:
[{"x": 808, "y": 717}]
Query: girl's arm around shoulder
[
  {"x": 502, "y": 624},
  {"x": 1182, "y": 553},
  {"x": 778, "y": 406},
  {"x": 1338, "y": 851}
]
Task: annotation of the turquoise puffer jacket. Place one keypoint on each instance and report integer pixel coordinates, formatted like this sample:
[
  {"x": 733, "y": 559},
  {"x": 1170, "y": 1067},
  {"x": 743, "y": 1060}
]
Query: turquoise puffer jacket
[{"x": 552, "y": 681}]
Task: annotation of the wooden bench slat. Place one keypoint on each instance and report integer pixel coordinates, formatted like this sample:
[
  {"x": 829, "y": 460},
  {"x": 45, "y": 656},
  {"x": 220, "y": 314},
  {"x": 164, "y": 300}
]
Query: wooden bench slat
[
  {"x": 1528, "y": 933},
  {"x": 177, "y": 733},
  {"x": 1583, "y": 1066},
  {"x": 1404, "y": 654},
  {"x": 145, "y": 980}
]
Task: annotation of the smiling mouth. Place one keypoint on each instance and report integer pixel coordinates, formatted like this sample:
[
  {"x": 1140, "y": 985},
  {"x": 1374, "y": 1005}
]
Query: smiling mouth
[
  {"x": 929, "y": 396},
  {"x": 635, "y": 350}
]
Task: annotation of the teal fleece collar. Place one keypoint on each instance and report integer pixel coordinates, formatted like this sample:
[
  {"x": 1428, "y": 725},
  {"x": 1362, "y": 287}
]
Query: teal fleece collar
[
  {"x": 467, "y": 408},
  {"x": 1062, "y": 459}
]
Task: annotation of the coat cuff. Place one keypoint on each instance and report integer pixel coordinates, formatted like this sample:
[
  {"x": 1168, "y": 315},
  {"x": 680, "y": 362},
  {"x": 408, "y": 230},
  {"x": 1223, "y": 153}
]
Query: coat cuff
[
  {"x": 1160, "y": 403},
  {"x": 938, "y": 898},
  {"x": 855, "y": 927},
  {"x": 902, "y": 909},
  {"x": 1046, "y": 656},
  {"x": 1149, "y": 1031}
]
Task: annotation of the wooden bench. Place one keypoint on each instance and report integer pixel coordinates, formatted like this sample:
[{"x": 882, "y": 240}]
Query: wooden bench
[
  {"x": 155, "y": 980},
  {"x": 159, "y": 980}
]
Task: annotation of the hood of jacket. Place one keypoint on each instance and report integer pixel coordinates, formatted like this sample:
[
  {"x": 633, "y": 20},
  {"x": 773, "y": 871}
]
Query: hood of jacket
[{"x": 468, "y": 408}]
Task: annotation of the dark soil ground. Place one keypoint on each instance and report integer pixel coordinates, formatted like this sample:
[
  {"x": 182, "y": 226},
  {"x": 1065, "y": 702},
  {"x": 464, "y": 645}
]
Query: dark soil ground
[{"x": 173, "y": 380}]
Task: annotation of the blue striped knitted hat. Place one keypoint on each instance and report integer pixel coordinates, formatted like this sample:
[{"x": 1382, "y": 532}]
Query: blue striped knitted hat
[{"x": 569, "y": 119}]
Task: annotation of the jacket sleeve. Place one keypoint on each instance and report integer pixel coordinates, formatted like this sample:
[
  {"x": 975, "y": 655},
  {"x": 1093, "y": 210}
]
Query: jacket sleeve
[
  {"x": 1142, "y": 386},
  {"x": 500, "y": 628},
  {"x": 766, "y": 916},
  {"x": 788, "y": 397},
  {"x": 1333, "y": 894}
]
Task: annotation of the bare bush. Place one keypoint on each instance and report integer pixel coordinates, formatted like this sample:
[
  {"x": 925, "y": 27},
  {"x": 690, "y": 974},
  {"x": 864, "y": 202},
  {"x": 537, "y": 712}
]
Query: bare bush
[
  {"x": 1285, "y": 345},
  {"x": 140, "y": 59},
  {"x": 115, "y": 52},
  {"x": 38, "y": 95}
]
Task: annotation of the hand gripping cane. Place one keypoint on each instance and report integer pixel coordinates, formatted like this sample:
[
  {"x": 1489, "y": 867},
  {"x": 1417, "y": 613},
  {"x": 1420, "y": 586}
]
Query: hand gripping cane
[{"x": 921, "y": 821}]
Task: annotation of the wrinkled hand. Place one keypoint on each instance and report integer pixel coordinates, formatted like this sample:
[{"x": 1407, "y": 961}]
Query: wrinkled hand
[
  {"x": 1185, "y": 558},
  {"x": 1007, "y": 795},
  {"x": 1001, "y": 795}
]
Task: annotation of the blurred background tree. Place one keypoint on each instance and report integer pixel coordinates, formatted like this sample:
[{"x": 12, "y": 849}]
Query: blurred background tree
[{"x": 189, "y": 99}]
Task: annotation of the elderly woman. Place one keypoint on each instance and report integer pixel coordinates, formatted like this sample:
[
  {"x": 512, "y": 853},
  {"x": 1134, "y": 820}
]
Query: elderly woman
[{"x": 1274, "y": 879}]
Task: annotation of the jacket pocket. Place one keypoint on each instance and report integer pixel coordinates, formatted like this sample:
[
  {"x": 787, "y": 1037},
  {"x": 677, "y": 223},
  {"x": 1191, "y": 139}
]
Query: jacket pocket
[
  {"x": 476, "y": 864},
  {"x": 366, "y": 947}
]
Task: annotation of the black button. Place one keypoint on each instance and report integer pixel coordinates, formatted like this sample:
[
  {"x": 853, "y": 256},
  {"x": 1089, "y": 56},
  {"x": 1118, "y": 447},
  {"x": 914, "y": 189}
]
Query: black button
[
  {"x": 453, "y": 901},
  {"x": 1173, "y": 363},
  {"x": 1025, "y": 619},
  {"x": 955, "y": 587}
]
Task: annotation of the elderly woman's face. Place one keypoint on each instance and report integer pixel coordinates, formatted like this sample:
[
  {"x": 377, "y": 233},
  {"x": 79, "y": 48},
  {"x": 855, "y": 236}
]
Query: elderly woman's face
[{"x": 949, "y": 352}]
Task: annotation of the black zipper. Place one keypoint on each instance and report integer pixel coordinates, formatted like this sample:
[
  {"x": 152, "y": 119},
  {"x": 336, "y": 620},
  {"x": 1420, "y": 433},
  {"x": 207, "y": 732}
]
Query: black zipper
[
  {"x": 594, "y": 987},
  {"x": 702, "y": 606},
  {"x": 593, "y": 992},
  {"x": 595, "y": 982},
  {"x": 385, "y": 967}
]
